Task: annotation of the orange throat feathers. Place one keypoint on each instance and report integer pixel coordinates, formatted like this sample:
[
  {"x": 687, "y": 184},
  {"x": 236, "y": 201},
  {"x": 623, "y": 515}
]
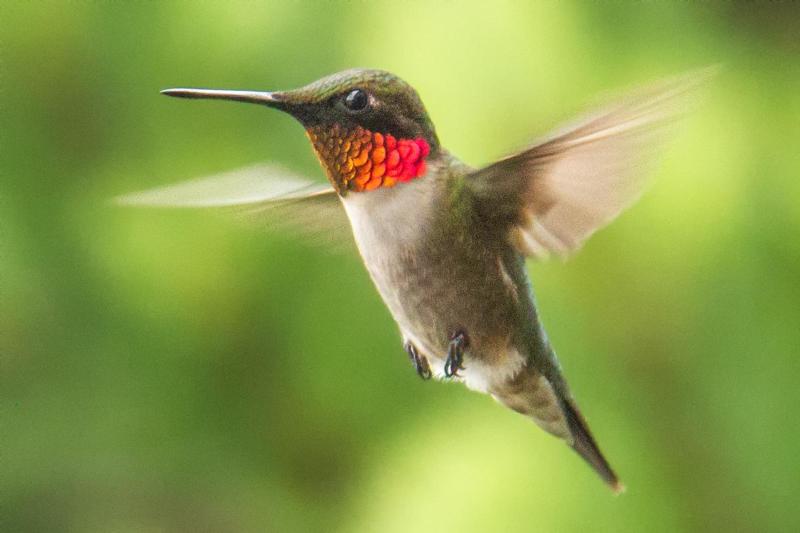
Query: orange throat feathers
[{"x": 361, "y": 160}]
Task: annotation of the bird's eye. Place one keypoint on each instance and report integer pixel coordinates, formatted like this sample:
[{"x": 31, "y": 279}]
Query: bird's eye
[{"x": 356, "y": 100}]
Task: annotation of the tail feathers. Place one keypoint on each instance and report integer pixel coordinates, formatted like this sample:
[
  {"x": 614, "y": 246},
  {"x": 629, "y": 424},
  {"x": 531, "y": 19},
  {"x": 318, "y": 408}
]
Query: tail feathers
[
  {"x": 532, "y": 394},
  {"x": 585, "y": 445}
]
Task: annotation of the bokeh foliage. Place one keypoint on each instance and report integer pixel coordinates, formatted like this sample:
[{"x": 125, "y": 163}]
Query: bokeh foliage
[{"x": 166, "y": 371}]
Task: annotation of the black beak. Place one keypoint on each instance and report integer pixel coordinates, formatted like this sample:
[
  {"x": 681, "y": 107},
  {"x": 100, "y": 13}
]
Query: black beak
[{"x": 271, "y": 99}]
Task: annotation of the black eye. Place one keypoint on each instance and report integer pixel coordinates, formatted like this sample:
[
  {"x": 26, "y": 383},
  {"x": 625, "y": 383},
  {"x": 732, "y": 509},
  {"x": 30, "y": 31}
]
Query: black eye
[{"x": 356, "y": 100}]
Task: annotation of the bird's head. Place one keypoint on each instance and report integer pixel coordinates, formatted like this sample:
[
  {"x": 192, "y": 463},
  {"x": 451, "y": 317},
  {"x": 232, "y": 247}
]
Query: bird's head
[{"x": 368, "y": 127}]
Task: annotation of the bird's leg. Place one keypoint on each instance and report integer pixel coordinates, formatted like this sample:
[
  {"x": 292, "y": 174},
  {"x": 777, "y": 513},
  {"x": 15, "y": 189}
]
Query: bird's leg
[
  {"x": 455, "y": 354},
  {"x": 419, "y": 361}
]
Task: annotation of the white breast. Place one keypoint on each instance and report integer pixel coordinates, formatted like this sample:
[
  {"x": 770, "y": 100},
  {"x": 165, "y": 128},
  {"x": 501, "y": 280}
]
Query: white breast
[
  {"x": 387, "y": 220},
  {"x": 389, "y": 223}
]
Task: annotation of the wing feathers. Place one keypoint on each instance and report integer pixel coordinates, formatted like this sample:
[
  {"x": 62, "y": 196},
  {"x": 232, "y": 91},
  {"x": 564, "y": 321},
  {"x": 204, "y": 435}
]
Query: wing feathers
[
  {"x": 553, "y": 196},
  {"x": 243, "y": 187},
  {"x": 263, "y": 194}
]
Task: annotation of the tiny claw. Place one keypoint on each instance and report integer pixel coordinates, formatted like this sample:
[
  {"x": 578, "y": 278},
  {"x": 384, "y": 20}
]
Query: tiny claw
[
  {"x": 419, "y": 361},
  {"x": 423, "y": 369},
  {"x": 455, "y": 354}
]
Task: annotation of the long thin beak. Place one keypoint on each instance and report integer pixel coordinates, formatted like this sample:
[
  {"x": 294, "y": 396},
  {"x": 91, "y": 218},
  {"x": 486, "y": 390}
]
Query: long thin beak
[{"x": 271, "y": 99}]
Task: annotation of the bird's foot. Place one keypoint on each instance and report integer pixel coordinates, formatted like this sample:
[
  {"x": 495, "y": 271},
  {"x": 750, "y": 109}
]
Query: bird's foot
[
  {"x": 455, "y": 354},
  {"x": 419, "y": 361}
]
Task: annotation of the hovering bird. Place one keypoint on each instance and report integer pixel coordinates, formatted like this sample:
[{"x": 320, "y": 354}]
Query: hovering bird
[{"x": 444, "y": 243}]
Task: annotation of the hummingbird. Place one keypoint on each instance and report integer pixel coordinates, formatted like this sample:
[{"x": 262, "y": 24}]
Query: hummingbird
[{"x": 446, "y": 243}]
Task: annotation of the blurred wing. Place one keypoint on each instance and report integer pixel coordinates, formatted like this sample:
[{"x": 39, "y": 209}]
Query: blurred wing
[
  {"x": 264, "y": 194},
  {"x": 553, "y": 196}
]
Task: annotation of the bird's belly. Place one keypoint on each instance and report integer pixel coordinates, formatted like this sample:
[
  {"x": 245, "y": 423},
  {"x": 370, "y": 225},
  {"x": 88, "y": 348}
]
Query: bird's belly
[
  {"x": 433, "y": 294},
  {"x": 438, "y": 279}
]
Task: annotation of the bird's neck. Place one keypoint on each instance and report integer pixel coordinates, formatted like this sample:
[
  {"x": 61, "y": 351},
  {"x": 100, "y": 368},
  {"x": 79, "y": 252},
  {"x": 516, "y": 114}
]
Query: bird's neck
[
  {"x": 402, "y": 216},
  {"x": 358, "y": 160}
]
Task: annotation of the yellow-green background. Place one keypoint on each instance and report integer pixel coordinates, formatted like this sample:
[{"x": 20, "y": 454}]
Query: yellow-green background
[{"x": 168, "y": 371}]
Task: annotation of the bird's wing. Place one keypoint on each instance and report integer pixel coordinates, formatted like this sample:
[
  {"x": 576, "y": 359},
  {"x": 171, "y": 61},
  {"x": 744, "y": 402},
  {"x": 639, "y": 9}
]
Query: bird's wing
[
  {"x": 550, "y": 198},
  {"x": 263, "y": 194}
]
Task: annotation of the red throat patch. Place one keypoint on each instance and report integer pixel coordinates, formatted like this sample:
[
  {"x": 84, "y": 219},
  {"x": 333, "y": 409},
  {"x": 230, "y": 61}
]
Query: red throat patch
[{"x": 360, "y": 160}]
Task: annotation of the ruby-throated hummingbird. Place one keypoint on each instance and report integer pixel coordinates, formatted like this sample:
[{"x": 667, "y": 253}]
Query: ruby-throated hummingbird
[{"x": 445, "y": 243}]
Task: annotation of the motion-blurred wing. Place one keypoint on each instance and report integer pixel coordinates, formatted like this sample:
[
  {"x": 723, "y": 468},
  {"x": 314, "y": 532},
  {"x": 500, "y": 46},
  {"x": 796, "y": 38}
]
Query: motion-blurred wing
[
  {"x": 553, "y": 196},
  {"x": 265, "y": 194}
]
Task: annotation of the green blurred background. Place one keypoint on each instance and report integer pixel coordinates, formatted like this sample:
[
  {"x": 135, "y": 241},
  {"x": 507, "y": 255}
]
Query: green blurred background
[{"x": 174, "y": 371}]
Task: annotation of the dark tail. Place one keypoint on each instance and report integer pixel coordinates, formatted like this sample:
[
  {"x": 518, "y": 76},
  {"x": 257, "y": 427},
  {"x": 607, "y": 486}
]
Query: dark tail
[
  {"x": 585, "y": 445},
  {"x": 532, "y": 394}
]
